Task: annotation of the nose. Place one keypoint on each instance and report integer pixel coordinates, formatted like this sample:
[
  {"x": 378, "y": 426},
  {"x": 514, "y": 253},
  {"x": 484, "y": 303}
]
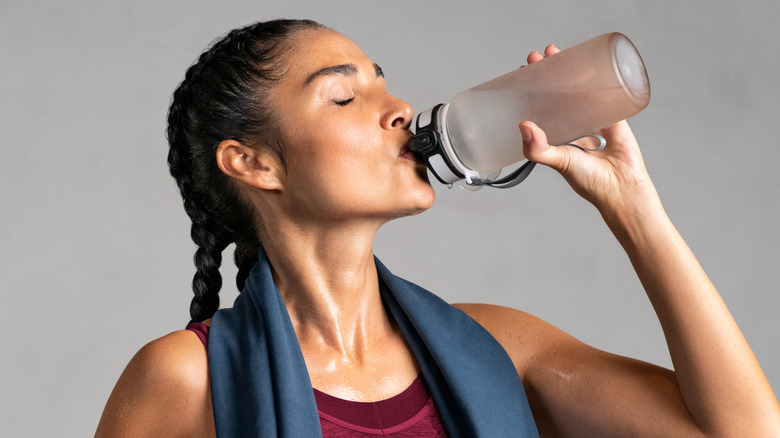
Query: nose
[{"x": 399, "y": 114}]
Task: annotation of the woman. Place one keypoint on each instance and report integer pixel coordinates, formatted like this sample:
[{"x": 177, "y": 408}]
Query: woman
[{"x": 285, "y": 141}]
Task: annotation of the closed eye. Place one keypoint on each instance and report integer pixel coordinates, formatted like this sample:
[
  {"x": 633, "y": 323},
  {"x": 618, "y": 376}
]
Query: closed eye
[{"x": 343, "y": 102}]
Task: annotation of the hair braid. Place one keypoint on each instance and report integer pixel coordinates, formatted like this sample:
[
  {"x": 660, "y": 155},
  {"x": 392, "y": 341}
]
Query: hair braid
[
  {"x": 208, "y": 257},
  {"x": 245, "y": 256},
  {"x": 224, "y": 95}
]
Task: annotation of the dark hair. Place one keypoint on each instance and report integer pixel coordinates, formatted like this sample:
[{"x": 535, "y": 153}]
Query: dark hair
[{"x": 224, "y": 95}]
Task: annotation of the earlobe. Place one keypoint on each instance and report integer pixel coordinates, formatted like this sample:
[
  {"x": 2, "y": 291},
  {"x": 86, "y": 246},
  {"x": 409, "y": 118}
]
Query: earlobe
[{"x": 253, "y": 167}]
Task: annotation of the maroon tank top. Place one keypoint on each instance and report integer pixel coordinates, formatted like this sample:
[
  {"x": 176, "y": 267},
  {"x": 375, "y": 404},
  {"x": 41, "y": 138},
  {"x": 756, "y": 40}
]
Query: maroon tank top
[{"x": 408, "y": 414}]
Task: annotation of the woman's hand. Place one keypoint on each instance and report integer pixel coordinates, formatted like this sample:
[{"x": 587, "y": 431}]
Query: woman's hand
[
  {"x": 718, "y": 388},
  {"x": 612, "y": 179}
]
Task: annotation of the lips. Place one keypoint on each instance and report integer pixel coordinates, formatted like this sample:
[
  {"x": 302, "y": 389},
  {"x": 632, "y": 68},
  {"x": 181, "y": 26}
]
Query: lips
[{"x": 407, "y": 154}]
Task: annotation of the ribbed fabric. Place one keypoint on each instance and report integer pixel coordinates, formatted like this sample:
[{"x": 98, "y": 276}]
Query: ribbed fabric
[{"x": 408, "y": 414}]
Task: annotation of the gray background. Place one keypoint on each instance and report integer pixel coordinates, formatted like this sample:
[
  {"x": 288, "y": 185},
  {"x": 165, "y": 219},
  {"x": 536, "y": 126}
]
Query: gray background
[{"x": 96, "y": 255}]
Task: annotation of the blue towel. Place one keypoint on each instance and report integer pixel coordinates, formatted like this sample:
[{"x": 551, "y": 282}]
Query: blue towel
[{"x": 260, "y": 386}]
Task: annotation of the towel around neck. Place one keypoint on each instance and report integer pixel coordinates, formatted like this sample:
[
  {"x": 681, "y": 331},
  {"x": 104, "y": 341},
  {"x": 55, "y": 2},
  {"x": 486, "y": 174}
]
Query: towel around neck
[{"x": 260, "y": 386}]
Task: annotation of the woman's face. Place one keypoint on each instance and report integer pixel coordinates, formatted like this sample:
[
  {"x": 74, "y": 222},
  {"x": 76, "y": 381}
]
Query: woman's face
[{"x": 345, "y": 137}]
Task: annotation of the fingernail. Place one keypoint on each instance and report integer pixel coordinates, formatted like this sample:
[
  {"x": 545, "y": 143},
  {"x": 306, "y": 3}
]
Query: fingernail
[{"x": 526, "y": 133}]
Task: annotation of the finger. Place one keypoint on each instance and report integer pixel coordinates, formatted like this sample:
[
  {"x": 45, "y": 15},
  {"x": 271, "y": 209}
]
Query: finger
[
  {"x": 619, "y": 135},
  {"x": 618, "y": 131},
  {"x": 534, "y": 56},
  {"x": 551, "y": 50},
  {"x": 536, "y": 149}
]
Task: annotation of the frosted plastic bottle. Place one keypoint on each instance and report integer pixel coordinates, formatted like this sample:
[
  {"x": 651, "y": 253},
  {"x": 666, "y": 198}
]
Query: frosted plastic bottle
[{"x": 570, "y": 94}]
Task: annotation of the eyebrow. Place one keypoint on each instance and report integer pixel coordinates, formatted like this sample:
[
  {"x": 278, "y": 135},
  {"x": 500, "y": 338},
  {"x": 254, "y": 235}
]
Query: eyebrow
[{"x": 341, "y": 70}]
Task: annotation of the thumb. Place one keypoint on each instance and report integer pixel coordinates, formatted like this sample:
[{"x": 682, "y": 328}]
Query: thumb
[{"x": 536, "y": 149}]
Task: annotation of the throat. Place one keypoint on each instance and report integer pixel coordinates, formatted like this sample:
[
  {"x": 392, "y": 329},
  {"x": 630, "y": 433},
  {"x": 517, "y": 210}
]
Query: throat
[
  {"x": 378, "y": 376},
  {"x": 376, "y": 367}
]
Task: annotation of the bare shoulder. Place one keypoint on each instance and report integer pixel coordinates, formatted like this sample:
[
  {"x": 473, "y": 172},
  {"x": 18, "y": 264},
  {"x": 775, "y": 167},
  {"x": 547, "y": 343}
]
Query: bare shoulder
[
  {"x": 163, "y": 391},
  {"x": 526, "y": 338}
]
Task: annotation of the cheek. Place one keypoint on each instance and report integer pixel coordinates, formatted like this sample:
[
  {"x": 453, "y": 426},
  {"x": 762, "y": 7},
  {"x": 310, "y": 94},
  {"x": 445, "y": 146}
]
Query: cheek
[
  {"x": 334, "y": 172},
  {"x": 349, "y": 153}
]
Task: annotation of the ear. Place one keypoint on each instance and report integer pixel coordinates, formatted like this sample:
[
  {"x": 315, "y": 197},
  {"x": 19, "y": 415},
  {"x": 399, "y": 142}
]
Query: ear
[{"x": 257, "y": 168}]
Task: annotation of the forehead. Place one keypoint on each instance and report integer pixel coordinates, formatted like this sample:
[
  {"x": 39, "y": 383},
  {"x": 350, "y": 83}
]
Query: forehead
[{"x": 319, "y": 48}]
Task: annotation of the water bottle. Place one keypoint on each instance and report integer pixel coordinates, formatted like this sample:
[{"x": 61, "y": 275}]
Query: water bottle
[{"x": 571, "y": 94}]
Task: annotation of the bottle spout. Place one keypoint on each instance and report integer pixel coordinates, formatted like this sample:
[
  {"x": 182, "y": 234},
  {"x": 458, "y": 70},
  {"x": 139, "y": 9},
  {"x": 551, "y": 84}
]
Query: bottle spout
[{"x": 427, "y": 144}]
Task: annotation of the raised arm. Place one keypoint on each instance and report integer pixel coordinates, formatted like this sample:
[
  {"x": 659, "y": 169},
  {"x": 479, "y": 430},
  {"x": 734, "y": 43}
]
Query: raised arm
[{"x": 718, "y": 387}]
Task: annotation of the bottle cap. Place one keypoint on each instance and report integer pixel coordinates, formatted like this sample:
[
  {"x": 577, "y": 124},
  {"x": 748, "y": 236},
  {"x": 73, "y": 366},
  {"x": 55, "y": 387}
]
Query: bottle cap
[
  {"x": 429, "y": 144},
  {"x": 432, "y": 144}
]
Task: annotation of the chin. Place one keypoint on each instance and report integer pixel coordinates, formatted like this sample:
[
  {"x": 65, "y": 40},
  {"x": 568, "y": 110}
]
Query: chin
[
  {"x": 424, "y": 200},
  {"x": 430, "y": 199},
  {"x": 415, "y": 201}
]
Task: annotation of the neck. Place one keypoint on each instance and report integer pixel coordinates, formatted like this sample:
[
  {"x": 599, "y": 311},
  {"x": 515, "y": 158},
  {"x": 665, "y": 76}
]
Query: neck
[{"x": 328, "y": 280}]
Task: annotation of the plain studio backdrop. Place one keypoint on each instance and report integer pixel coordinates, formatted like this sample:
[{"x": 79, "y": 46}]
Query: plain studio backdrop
[{"x": 96, "y": 254}]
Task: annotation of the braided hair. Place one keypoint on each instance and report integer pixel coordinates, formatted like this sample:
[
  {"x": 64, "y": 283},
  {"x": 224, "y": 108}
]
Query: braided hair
[{"x": 224, "y": 95}]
